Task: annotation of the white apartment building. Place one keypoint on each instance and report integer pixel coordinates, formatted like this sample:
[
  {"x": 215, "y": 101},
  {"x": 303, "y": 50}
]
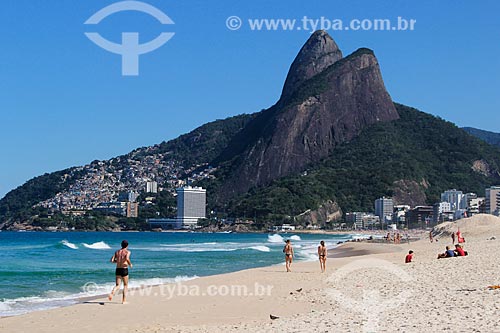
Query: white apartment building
[
  {"x": 191, "y": 205},
  {"x": 384, "y": 208},
  {"x": 455, "y": 198}
]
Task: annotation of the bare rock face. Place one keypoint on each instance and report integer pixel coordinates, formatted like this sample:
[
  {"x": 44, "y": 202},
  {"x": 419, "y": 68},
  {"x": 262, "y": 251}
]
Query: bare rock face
[
  {"x": 409, "y": 192},
  {"x": 326, "y": 101},
  {"x": 327, "y": 212},
  {"x": 317, "y": 54},
  {"x": 482, "y": 167}
]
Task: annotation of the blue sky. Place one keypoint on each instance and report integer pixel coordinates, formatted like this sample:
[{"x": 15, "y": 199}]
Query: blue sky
[{"x": 64, "y": 101}]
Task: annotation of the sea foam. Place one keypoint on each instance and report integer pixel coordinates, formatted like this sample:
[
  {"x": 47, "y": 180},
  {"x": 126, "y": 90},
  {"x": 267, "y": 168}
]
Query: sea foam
[
  {"x": 260, "y": 248},
  {"x": 70, "y": 245},
  {"x": 275, "y": 238},
  {"x": 97, "y": 246}
]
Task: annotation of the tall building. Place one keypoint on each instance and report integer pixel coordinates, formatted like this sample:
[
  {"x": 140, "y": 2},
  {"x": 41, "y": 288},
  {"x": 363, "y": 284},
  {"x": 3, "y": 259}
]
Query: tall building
[
  {"x": 191, "y": 205},
  {"x": 151, "y": 187},
  {"x": 355, "y": 218},
  {"x": 132, "y": 209},
  {"x": 442, "y": 212},
  {"x": 362, "y": 220},
  {"x": 383, "y": 209},
  {"x": 455, "y": 198},
  {"x": 130, "y": 196},
  {"x": 492, "y": 200}
]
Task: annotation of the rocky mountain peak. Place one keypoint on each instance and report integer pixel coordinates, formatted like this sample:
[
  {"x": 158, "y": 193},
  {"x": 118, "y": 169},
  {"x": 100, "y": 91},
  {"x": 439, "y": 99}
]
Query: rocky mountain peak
[
  {"x": 319, "y": 52},
  {"x": 327, "y": 100}
]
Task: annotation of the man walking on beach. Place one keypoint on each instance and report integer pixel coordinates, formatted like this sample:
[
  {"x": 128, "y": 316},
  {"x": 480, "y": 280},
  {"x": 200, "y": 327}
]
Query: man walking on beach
[
  {"x": 122, "y": 260},
  {"x": 288, "y": 250}
]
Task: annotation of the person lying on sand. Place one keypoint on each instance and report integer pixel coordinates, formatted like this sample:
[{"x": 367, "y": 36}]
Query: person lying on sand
[
  {"x": 459, "y": 251},
  {"x": 447, "y": 254}
]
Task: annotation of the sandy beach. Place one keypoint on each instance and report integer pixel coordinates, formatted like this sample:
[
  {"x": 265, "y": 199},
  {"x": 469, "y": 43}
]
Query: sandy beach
[{"x": 367, "y": 288}]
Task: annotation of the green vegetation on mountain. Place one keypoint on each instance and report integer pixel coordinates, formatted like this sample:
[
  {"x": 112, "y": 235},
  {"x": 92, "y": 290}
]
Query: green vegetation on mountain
[
  {"x": 417, "y": 147},
  {"x": 200, "y": 146},
  {"x": 490, "y": 137},
  {"x": 333, "y": 142},
  {"x": 206, "y": 142},
  {"x": 18, "y": 204}
]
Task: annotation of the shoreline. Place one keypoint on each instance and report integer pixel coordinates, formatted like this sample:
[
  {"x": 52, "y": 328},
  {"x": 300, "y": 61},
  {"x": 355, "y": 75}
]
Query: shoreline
[
  {"x": 303, "y": 267},
  {"x": 344, "y": 249},
  {"x": 305, "y": 299},
  {"x": 298, "y": 231}
]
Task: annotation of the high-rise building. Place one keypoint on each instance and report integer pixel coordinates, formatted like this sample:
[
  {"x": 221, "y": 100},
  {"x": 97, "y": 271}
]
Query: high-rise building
[
  {"x": 132, "y": 209},
  {"x": 383, "y": 209},
  {"x": 355, "y": 218},
  {"x": 151, "y": 187},
  {"x": 492, "y": 200},
  {"x": 442, "y": 212},
  {"x": 455, "y": 198},
  {"x": 191, "y": 205},
  {"x": 130, "y": 196},
  {"x": 362, "y": 220}
]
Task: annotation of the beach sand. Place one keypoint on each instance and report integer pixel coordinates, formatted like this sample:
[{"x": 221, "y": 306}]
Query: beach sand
[{"x": 372, "y": 291}]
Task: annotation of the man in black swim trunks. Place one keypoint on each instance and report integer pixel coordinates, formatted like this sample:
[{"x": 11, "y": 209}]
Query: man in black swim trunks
[{"x": 122, "y": 260}]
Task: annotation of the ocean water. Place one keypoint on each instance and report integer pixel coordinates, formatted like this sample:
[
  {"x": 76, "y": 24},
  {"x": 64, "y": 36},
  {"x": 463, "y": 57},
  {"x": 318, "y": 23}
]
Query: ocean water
[{"x": 46, "y": 270}]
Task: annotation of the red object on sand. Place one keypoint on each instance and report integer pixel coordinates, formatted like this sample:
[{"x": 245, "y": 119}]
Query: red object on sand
[{"x": 408, "y": 258}]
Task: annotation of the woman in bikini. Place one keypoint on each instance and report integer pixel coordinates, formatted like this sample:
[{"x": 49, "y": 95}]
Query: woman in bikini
[
  {"x": 322, "y": 253},
  {"x": 122, "y": 260},
  {"x": 288, "y": 250}
]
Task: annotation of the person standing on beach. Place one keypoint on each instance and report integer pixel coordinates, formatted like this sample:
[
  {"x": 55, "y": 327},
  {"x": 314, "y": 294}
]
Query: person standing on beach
[
  {"x": 453, "y": 238},
  {"x": 430, "y": 237},
  {"x": 322, "y": 253},
  {"x": 288, "y": 250},
  {"x": 122, "y": 260}
]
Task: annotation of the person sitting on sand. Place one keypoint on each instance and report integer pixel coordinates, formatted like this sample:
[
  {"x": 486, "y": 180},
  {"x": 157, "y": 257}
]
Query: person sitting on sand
[
  {"x": 459, "y": 251},
  {"x": 288, "y": 250},
  {"x": 122, "y": 260},
  {"x": 322, "y": 253},
  {"x": 447, "y": 254},
  {"x": 409, "y": 257}
]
